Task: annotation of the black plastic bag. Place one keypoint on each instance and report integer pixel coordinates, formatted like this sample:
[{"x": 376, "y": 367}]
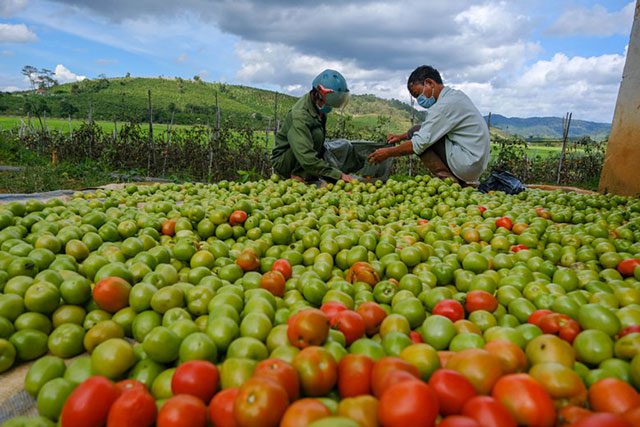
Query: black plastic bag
[{"x": 502, "y": 181}]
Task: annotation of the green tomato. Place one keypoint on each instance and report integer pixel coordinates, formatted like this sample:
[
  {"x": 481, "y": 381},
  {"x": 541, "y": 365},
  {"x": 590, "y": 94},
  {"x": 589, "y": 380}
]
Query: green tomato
[
  {"x": 593, "y": 346},
  {"x": 7, "y": 355},
  {"x": 595, "y": 316},
  {"x": 42, "y": 371},
  {"x": 79, "y": 370},
  {"x": 52, "y": 396},
  {"x": 66, "y": 340},
  {"x": 29, "y": 344},
  {"x": 437, "y": 331}
]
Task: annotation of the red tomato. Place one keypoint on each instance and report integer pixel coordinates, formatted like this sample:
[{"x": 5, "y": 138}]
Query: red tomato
[
  {"x": 221, "y": 408},
  {"x": 354, "y": 375},
  {"x": 391, "y": 378},
  {"x": 628, "y": 330},
  {"x": 303, "y": 412},
  {"x": 130, "y": 384},
  {"x": 518, "y": 248},
  {"x": 198, "y": 378},
  {"x": 569, "y": 330},
  {"x": 274, "y": 282},
  {"x": 444, "y": 356},
  {"x": 373, "y": 315},
  {"x": 513, "y": 358},
  {"x": 309, "y": 327},
  {"x": 423, "y": 221},
  {"x": 248, "y": 260},
  {"x": 134, "y": 408},
  {"x": 237, "y": 217},
  {"x": 169, "y": 227},
  {"x": 317, "y": 369},
  {"x": 283, "y": 266},
  {"x": 482, "y": 209},
  {"x": 453, "y": 390},
  {"x": 536, "y": 316},
  {"x": 182, "y": 410},
  {"x": 449, "y": 308},
  {"x": 627, "y": 266},
  {"x": 260, "y": 402},
  {"x": 613, "y": 395},
  {"x": 480, "y": 300},
  {"x": 504, "y": 222},
  {"x": 416, "y": 338},
  {"x": 603, "y": 419},
  {"x": 331, "y": 309},
  {"x": 633, "y": 416},
  {"x": 351, "y": 324},
  {"x": 88, "y": 405},
  {"x": 458, "y": 421},
  {"x": 385, "y": 365},
  {"x": 409, "y": 403},
  {"x": 488, "y": 412},
  {"x": 479, "y": 366},
  {"x": 282, "y": 373},
  {"x": 111, "y": 294},
  {"x": 526, "y": 399},
  {"x": 569, "y": 415}
]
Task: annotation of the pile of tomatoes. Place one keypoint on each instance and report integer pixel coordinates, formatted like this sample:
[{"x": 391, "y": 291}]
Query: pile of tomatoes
[{"x": 358, "y": 304}]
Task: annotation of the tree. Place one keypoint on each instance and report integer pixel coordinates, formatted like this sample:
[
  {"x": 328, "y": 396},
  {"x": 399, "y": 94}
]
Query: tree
[
  {"x": 67, "y": 108},
  {"x": 45, "y": 79},
  {"x": 196, "y": 78},
  {"x": 31, "y": 73}
]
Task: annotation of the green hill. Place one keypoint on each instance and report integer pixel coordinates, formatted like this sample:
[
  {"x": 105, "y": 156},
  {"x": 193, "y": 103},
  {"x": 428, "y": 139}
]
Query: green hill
[
  {"x": 189, "y": 102},
  {"x": 534, "y": 128}
]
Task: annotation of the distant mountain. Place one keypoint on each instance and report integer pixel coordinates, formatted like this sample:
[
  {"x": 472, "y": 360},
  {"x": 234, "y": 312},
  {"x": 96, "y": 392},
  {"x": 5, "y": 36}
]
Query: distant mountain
[{"x": 549, "y": 127}]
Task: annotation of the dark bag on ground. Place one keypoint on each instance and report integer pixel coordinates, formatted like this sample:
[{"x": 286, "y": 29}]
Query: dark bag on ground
[{"x": 502, "y": 181}]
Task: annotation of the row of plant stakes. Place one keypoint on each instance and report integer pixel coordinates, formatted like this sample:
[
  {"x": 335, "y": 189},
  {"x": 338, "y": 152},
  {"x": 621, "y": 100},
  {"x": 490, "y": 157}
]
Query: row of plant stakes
[{"x": 209, "y": 154}]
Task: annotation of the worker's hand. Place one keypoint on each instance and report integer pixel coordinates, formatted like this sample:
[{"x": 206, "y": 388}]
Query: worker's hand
[
  {"x": 379, "y": 156},
  {"x": 394, "y": 139},
  {"x": 345, "y": 177}
]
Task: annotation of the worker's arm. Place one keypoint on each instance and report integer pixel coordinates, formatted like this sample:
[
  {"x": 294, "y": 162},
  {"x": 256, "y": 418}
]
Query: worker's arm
[
  {"x": 301, "y": 143},
  {"x": 439, "y": 122},
  {"x": 381, "y": 154}
]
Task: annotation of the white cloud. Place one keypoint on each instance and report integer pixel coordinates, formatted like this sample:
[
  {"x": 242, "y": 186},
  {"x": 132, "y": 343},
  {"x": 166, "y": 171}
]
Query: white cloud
[
  {"x": 596, "y": 21},
  {"x": 11, "y": 7},
  {"x": 63, "y": 75},
  {"x": 9, "y": 89},
  {"x": 182, "y": 58},
  {"x": 16, "y": 33}
]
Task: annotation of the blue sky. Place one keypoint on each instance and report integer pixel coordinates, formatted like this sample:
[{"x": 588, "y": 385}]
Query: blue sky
[{"x": 516, "y": 58}]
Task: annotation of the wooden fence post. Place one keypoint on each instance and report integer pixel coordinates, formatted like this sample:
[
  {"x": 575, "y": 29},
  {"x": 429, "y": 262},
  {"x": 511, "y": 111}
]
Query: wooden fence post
[
  {"x": 150, "y": 143},
  {"x": 566, "y": 122}
]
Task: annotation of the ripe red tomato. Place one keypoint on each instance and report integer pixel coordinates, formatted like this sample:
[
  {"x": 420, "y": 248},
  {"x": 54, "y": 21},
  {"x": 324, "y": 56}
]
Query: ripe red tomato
[
  {"x": 391, "y": 378},
  {"x": 282, "y": 373},
  {"x": 362, "y": 272},
  {"x": 526, "y": 399},
  {"x": 373, "y": 315},
  {"x": 613, "y": 395},
  {"x": 480, "y": 300},
  {"x": 283, "y": 266},
  {"x": 182, "y": 410},
  {"x": 458, "y": 421},
  {"x": 134, "y": 408},
  {"x": 198, "y": 378},
  {"x": 416, "y": 338},
  {"x": 354, "y": 375},
  {"x": 331, "y": 309},
  {"x": 482, "y": 209},
  {"x": 317, "y": 369},
  {"x": 569, "y": 415},
  {"x": 386, "y": 364},
  {"x": 248, "y": 260},
  {"x": 169, "y": 227},
  {"x": 237, "y": 217},
  {"x": 504, "y": 222},
  {"x": 488, "y": 412},
  {"x": 221, "y": 408},
  {"x": 274, "y": 282},
  {"x": 408, "y": 403},
  {"x": 129, "y": 384},
  {"x": 518, "y": 248},
  {"x": 303, "y": 412},
  {"x": 422, "y": 221},
  {"x": 112, "y": 294},
  {"x": 260, "y": 402},
  {"x": 603, "y": 419},
  {"x": 628, "y": 330},
  {"x": 449, "y": 308},
  {"x": 627, "y": 266},
  {"x": 535, "y": 317},
  {"x": 453, "y": 390},
  {"x": 88, "y": 405},
  {"x": 309, "y": 327},
  {"x": 351, "y": 324}
]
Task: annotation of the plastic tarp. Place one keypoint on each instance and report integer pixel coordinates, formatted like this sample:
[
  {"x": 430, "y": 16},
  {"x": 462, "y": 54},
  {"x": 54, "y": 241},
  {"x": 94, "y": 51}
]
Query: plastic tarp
[{"x": 351, "y": 158}]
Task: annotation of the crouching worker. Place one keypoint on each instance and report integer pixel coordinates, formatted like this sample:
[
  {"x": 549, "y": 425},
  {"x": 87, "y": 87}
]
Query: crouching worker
[
  {"x": 299, "y": 145},
  {"x": 453, "y": 140}
]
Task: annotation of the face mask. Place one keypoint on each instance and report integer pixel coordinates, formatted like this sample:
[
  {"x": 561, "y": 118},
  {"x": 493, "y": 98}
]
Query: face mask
[
  {"x": 425, "y": 102},
  {"x": 326, "y": 109}
]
